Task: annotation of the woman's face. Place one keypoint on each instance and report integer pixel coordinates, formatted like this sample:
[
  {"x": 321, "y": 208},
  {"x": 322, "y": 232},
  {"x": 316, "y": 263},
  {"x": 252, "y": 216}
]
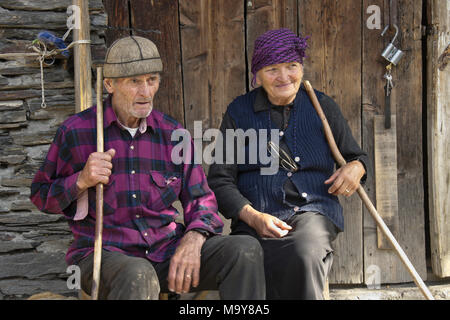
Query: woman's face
[{"x": 281, "y": 81}]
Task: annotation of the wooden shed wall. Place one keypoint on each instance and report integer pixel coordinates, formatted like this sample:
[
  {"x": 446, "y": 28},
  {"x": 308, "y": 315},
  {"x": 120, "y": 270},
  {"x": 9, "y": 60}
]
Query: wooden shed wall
[{"x": 216, "y": 44}]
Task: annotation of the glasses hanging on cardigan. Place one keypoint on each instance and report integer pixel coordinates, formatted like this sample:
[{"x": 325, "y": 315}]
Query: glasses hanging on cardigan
[{"x": 286, "y": 162}]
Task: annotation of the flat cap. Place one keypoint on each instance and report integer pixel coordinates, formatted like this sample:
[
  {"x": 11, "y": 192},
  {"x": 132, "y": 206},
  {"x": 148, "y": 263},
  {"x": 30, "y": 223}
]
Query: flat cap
[{"x": 131, "y": 56}]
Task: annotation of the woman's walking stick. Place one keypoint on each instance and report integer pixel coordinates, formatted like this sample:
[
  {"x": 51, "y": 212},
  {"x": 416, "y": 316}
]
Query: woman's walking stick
[
  {"x": 365, "y": 198},
  {"x": 99, "y": 192}
]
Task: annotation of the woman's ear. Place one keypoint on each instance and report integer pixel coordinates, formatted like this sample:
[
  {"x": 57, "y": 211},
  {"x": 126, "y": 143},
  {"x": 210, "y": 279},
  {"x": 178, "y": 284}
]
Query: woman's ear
[
  {"x": 109, "y": 85},
  {"x": 257, "y": 79}
]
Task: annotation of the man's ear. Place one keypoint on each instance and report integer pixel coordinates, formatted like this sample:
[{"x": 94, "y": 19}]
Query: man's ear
[{"x": 109, "y": 85}]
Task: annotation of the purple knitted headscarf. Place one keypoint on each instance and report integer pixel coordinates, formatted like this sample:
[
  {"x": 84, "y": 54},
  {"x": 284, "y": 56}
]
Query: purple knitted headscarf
[{"x": 277, "y": 46}]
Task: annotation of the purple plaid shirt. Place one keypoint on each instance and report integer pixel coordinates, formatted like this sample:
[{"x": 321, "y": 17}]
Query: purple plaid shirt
[{"x": 139, "y": 217}]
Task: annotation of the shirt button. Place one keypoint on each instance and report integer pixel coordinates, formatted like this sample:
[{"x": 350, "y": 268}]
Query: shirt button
[
  {"x": 146, "y": 252},
  {"x": 133, "y": 172},
  {"x": 134, "y": 196},
  {"x": 289, "y": 174},
  {"x": 132, "y": 147},
  {"x": 138, "y": 216},
  {"x": 297, "y": 159},
  {"x": 304, "y": 194},
  {"x": 145, "y": 234},
  {"x": 281, "y": 133}
]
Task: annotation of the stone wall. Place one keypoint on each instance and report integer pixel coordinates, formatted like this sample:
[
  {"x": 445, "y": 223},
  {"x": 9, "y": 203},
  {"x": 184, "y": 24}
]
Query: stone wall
[{"x": 33, "y": 244}]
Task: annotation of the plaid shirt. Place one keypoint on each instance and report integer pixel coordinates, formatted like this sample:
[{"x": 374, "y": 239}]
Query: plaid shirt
[{"x": 139, "y": 216}]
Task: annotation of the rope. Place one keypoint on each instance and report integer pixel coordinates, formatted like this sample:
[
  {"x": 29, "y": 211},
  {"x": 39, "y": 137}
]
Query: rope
[
  {"x": 43, "y": 54},
  {"x": 41, "y": 62}
]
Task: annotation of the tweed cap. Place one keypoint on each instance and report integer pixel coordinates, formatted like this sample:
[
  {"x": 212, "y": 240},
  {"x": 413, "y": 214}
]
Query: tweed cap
[{"x": 131, "y": 56}]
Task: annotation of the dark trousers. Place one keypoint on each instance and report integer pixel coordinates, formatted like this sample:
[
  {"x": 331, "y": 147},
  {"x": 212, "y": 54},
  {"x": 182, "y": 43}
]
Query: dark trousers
[
  {"x": 297, "y": 265},
  {"x": 233, "y": 265}
]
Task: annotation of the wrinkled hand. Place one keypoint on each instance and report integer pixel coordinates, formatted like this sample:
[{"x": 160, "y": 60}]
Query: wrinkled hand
[
  {"x": 184, "y": 269},
  {"x": 266, "y": 225},
  {"x": 346, "y": 179},
  {"x": 97, "y": 170}
]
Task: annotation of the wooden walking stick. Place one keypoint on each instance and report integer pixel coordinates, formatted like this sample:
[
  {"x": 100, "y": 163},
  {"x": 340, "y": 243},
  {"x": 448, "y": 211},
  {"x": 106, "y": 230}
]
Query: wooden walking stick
[
  {"x": 364, "y": 197},
  {"x": 99, "y": 192}
]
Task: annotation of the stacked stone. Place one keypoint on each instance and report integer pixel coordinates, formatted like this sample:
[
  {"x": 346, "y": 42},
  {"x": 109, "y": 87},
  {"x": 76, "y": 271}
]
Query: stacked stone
[{"x": 33, "y": 244}]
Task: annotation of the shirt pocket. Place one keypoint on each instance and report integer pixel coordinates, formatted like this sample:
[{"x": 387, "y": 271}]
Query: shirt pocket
[{"x": 166, "y": 187}]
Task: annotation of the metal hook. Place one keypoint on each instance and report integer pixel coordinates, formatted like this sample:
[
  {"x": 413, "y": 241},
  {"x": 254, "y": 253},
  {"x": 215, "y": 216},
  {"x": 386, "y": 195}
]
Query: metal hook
[{"x": 386, "y": 29}]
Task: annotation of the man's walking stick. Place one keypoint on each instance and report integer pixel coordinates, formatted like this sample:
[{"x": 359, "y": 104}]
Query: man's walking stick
[
  {"x": 365, "y": 198},
  {"x": 98, "y": 192}
]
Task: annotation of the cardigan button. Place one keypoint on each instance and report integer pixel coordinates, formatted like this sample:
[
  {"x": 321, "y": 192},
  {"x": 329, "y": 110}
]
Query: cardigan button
[
  {"x": 304, "y": 195},
  {"x": 281, "y": 133},
  {"x": 289, "y": 174},
  {"x": 297, "y": 159}
]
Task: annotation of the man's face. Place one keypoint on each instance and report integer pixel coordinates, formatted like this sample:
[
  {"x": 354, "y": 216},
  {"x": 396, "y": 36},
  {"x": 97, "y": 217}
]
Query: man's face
[
  {"x": 133, "y": 97},
  {"x": 281, "y": 81}
]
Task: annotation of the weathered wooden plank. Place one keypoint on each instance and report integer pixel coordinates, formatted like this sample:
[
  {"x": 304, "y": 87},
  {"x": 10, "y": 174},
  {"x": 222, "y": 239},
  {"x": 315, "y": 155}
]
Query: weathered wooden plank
[
  {"x": 46, "y": 5},
  {"x": 438, "y": 118},
  {"x": 118, "y": 20},
  {"x": 406, "y": 104},
  {"x": 385, "y": 154},
  {"x": 82, "y": 59},
  {"x": 162, "y": 16},
  {"x": 32, "y": 20},
  {"x": 53, "y": 78},
  {"x": 25, "y": 94},
  {"x": 264, "y": 15},
  {"x": 213, "y": 51},
  {"x": 329, "y": 23},
  {"x": 12, "y": 116}
]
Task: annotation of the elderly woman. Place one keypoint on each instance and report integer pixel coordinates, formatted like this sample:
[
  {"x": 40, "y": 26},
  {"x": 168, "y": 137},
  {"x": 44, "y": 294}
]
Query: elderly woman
[{"x": 295, "y": 213}]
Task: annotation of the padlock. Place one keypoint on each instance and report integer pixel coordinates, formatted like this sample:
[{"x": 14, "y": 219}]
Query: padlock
[{"x": 391, "y": 53}]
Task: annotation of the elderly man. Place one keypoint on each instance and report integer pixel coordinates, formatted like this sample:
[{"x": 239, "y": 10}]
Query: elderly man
[
  {"x": 295, "y": 213},
  {"x": 145, "y": 250}
]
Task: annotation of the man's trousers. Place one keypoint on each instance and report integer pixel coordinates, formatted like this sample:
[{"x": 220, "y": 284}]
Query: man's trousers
[{"x": 233, "y": 265}]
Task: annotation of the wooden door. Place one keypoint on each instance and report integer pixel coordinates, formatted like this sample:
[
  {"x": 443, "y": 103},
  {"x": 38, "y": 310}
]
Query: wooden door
[{"x": 345, "y": 62}]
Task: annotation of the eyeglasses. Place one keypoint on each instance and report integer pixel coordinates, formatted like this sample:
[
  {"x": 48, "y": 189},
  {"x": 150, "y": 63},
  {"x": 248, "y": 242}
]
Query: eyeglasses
[{"x": 285, "y": 160}]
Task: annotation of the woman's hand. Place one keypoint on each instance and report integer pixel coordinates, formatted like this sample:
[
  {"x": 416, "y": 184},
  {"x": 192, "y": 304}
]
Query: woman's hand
[
  {"x": 266, "y": 225},
  {"x": 346, "y": 179}
]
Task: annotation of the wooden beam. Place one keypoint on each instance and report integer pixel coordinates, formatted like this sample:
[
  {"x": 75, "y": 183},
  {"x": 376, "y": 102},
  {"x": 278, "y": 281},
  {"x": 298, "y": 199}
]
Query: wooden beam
[
  {"x": 438, "y": 118},
  {"x": 265, "y": 15},
  {"x": 158, "y": 21},
  {"x": 118, "y": 20},
  {"x": 82, "y": 59},
  {"x": 385, "y": 153},
  {"x": 213, "y": 68},
  {"x": 329, "y": 23},
  {"x": 406, "y": 104}
]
